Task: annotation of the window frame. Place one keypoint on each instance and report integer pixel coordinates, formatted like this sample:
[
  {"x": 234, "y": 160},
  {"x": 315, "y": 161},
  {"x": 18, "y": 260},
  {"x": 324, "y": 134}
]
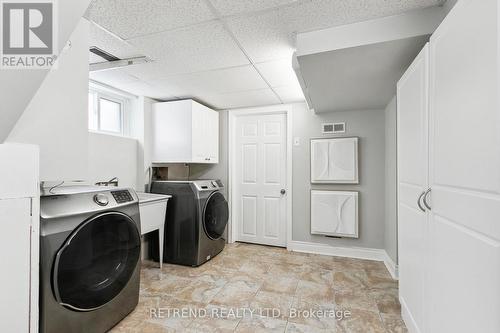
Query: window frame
[{"x": 97, "y": 96}]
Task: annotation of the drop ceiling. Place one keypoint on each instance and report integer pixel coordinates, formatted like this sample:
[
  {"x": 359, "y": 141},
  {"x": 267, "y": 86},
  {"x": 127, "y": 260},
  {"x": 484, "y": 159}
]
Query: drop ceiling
[{"x": 225, "y": 53}]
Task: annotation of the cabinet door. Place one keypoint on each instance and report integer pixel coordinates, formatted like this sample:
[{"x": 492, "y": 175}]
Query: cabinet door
[
  {"x": 412, "y": 99},
  {"x": 199, "y": 133},
  {"x": 464, "y": 230},
  {"x": 214, "y": 136},
  {"x": 15, "y": 245}
]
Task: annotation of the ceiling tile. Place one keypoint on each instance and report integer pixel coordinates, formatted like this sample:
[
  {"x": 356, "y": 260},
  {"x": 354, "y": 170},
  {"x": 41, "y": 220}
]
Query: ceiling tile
[
  {"x": 132, "y": 18},
  {"x": 112, "y": 77},
  {"x": 197, "y": 48},
  {"x": 107, "y": 42},
  {"x": 270, "y": 35},
  {"x": 141, "y": 88},
  {"x": 278, "y": 72},
  {"x": 214, "y": 82},
  {"x": 290, "y": 94},
  {"x": 232, "y": 7},
  {"x": 242, "y": 99}
]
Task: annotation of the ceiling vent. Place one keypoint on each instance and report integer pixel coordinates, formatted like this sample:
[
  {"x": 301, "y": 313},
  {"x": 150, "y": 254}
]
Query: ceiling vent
[{"x": 333, "y": 128}]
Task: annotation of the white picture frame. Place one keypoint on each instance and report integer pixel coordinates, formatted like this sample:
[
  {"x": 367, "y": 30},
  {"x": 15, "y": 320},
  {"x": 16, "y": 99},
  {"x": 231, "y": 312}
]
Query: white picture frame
[
  {"x": 335, "y": 213},
  {"x": 334, "y": 160}
]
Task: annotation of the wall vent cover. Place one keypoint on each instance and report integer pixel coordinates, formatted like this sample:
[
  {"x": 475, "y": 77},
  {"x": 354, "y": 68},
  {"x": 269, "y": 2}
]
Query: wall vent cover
[{"x": 333, "y": 128}]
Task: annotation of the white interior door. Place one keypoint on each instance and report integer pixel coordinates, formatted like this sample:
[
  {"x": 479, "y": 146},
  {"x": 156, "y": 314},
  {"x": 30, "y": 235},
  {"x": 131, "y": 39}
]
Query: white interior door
[
  {"x": 412, "y": 126},
  {"x": 260, "y": 175},
  {"x": 464, "y": 272}
]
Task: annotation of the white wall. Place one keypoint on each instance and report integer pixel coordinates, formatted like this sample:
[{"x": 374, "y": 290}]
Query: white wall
[
  {"x": 112, "y": 156},
  {"x": 391, "y": 233},
  {"x": 369, "y": 126},
  {"x": 56, "y": 117},
  {"x": 17, "y": 87}
]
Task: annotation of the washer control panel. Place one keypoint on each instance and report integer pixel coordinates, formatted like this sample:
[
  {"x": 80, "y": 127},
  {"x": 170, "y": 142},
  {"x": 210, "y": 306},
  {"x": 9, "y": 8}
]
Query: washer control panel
[
  {"x": 101, "y": 199},
  {"x": 122, "y": 196}
]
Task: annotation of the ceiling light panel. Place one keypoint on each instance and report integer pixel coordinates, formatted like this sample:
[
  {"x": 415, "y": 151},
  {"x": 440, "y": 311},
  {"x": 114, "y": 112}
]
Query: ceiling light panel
[
  {"x": 132, "y": 18},
  {"x": 197, "y": 48}
]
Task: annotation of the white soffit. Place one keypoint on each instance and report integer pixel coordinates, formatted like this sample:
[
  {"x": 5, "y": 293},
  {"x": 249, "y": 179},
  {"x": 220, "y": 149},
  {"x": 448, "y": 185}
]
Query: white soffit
[
  {"x": 357, "y": 66},
  {"x": 411, "y": 24}
]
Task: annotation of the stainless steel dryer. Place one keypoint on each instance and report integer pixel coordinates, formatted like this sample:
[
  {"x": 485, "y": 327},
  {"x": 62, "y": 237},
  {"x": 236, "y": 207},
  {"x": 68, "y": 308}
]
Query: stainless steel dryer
[
  {"x": 89, "y": 258},
  {"x": 195, "y": 222}
]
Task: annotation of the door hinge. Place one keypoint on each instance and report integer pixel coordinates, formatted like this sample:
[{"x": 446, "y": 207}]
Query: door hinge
[{"x": 31, "y": 206}]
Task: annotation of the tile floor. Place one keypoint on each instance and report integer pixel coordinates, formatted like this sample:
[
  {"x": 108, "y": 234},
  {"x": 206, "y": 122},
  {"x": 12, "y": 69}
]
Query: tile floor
[{"x": 246, "y": 278}]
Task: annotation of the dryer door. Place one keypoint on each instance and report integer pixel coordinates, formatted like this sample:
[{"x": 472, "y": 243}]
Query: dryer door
[
  {"x": 215, "y": 215},
  {"x": 96, "y": 261}
]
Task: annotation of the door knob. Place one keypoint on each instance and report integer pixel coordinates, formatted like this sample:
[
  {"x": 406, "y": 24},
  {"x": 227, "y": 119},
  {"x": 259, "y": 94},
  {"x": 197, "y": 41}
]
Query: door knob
[{"x": 283, "y": 191}]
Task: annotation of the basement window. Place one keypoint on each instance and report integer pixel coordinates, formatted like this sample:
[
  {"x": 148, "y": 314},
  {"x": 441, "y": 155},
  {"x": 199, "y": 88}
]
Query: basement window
[{"x": 107, "y": 112}]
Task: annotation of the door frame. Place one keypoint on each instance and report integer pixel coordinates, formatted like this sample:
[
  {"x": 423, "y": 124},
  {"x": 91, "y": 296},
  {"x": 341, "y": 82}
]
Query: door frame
[{"x": 233, "y": 115}]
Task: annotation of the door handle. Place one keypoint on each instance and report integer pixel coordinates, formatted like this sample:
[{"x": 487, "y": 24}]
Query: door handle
[
  {"x": 425, "y": 199},
  {"x": 283, "y": 191},
  {"x": 418, "y": 201}
]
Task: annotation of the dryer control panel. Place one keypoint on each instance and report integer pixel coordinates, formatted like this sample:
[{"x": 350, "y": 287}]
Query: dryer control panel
[{"x": 208, "y": 185}]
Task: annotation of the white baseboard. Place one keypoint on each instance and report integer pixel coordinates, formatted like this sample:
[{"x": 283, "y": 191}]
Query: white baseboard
[
  {"x": 411, "y": 325},
  {"x": 349, "y": 252},
  {"x": 392, "y": 267}
]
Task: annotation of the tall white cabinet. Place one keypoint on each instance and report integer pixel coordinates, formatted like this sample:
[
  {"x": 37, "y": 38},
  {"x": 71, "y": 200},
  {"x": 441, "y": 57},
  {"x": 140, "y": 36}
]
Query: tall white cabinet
[
  {"x": 412, "y": 125},
  {"x": 185, "y": 132},
  {"x": 19, "y": 222},
  {"x": 450, "y": 246}
]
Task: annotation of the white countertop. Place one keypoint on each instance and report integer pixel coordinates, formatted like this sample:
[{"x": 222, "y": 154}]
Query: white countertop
[{"x": 151, "y": 197}]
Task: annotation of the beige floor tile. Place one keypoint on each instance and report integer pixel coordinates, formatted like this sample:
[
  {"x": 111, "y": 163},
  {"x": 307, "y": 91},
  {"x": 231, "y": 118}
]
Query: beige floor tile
[
  {"x": 394, "y": 324},
  {"x": 315, "y": 292},
  {"x": 271, "y": 304},
  {"x": 307, "y": 313},
  {"x": 258, "y": 324},
  {"x": 199, "y": 291},
  {"x": 285, "y": 285},
  {"x": 355, "y": 300},
  {"x": 362, "y": 321},
  {"x": 249, "y": 277}
]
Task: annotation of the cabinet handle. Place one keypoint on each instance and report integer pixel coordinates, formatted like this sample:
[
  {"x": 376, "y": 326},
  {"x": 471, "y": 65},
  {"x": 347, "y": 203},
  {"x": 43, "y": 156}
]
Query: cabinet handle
[
  {"x": 425, "y": 199},
  {"x": 418, "y": 201}
]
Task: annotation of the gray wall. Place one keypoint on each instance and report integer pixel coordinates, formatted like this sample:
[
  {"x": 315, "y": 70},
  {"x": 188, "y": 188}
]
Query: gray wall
[
  {"x": 391, "y": 233},
  {"x": 369, "y": 126}
]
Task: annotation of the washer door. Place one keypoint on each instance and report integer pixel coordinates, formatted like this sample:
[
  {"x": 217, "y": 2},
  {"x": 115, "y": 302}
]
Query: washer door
[
  {"x": 96, "y": 262},
  {"x": 215, "y": 215}
]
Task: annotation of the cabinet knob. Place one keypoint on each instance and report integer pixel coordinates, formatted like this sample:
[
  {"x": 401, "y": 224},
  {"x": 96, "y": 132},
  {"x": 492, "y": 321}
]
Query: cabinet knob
[{"x": 283, "y": 191}]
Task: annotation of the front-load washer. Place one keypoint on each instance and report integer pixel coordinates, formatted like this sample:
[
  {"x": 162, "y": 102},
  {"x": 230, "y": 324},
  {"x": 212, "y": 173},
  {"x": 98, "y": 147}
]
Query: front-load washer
[
  {"x": 195, "y": 222},
  {"x": 89, "y": 258}
]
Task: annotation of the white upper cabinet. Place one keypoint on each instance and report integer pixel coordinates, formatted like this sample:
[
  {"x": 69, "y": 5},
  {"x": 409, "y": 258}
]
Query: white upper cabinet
[{"x": 185, "y": 132}]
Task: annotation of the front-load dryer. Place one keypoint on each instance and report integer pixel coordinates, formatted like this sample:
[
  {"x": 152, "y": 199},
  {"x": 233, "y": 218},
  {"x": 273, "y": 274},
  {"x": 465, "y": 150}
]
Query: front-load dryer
[
  {"x": 195, "y": 222},
  {"x": 89, "y": 258}
]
